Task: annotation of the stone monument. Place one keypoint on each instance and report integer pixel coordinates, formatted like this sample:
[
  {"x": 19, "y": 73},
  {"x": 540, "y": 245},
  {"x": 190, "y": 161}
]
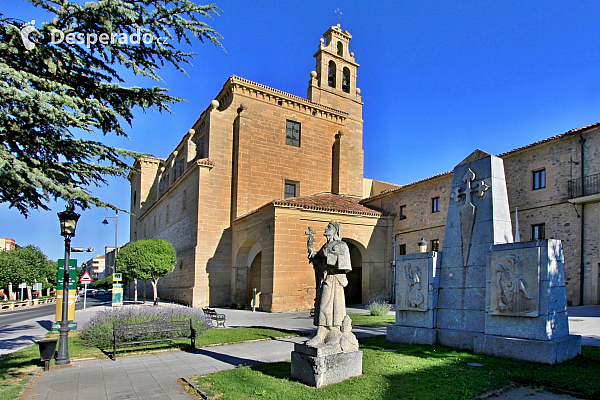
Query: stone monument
[
  {"x": 485, "y": 293},
  {"x": 332, "y": 355}
]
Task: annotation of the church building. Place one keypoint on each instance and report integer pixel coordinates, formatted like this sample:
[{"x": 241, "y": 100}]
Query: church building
[{"x": 261, "y": 168}]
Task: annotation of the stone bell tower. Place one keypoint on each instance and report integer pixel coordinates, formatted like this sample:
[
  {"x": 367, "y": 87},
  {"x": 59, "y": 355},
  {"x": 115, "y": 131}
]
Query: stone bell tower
[{"x": 333, "y": 84}]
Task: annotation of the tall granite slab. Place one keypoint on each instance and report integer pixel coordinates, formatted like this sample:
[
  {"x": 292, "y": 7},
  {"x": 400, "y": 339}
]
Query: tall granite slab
[
  {"x": 416, "y": 299},
  {"x": 488, "y": 294},
  {"x": 478, "y": 216}
]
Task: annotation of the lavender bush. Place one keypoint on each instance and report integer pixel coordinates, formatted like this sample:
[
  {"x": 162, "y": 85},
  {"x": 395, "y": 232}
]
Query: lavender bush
[
  {"x": 379, "y": 308},
  {"x": 98, "y": 332}
]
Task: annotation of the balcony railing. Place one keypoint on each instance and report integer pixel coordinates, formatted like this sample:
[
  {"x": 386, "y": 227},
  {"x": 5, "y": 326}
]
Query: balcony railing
[{"x": 585, "y": 186}]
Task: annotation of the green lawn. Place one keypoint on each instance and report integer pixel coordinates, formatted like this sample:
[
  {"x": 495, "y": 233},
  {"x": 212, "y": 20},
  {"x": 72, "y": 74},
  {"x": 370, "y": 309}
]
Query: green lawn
[
  {"x": 411, "y": 372},
  {"x": 371, "y": 320}
]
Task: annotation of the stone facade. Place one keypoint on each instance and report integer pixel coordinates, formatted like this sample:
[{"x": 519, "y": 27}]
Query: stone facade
[{"x": 565, "y": 211}]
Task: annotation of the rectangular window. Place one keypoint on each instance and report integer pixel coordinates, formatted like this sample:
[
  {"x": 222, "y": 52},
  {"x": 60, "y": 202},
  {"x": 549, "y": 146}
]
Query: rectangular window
[
  {"x": 435, "y": 204},
  {"x": 539, "y": 179},
  {"x": 290, "y": 190},
  {"x": 538, "y": 232},
  {"x": 401, "y": 249},
  {"x": 402, "y": 213},
  {"x": 435, "y": 244},
  {"x": 292, "y": 133}
]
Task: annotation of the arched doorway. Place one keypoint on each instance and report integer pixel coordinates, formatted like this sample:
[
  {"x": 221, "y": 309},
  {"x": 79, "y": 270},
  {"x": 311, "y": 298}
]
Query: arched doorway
[
  {"x": 353, "y": 291},
  {"x": 247, "y": 272},
  {"x": 253, "y": 280}
]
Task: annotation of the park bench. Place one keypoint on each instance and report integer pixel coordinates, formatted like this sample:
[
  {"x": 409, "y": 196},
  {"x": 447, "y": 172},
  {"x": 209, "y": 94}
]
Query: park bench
[
  {"x": 150, "y": 332},
  {"x": 218, "y": 318}
]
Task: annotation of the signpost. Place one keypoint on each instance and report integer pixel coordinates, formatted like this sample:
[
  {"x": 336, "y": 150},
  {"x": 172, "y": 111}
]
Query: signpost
[
  {"x": 22, "y": 286},
  {"x": 85, "y": 279},
  {"x": 117, "y": 294},
  {"x": 72, "y": 294}
]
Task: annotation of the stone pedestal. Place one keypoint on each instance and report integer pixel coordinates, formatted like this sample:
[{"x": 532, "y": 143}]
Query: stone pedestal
[
  {"x": 322, "y": 366},
  {"x": 411, "y": 335},
  {"x": 550, "y": 352}
]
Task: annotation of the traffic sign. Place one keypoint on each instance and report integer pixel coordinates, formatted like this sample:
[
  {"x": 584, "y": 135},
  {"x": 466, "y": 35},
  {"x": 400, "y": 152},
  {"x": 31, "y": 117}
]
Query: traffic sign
[
  {"x": 117, "y": 277},
  {"x": 86, "y": 277},
  {"x": 72, "y": 274}
]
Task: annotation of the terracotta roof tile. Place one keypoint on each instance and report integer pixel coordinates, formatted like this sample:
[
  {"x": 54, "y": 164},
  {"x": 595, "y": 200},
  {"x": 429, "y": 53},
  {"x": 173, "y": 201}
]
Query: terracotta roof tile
[
  {"x": 571, "y": 132},
  {"x": 327, "y": 202}
]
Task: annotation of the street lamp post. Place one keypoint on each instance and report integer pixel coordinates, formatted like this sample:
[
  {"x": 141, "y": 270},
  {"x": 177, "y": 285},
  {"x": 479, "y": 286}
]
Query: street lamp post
[
  {"x": 68, "y": 223},
  {"x": 115, "y": 220},
  {"x": 422, "y": 245}
]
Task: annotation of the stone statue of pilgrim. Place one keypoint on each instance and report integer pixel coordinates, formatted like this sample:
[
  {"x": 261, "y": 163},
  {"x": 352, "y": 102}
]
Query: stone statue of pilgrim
[{"x": 331, "y": 264}]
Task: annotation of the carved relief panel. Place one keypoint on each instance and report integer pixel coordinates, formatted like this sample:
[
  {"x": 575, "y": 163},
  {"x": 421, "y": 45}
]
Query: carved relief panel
[
  {"x": 412, "y": 283},
  {"x": 514, "y": 283}
]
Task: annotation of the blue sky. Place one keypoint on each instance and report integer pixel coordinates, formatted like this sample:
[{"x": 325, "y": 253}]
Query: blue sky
[{"x": 438, "y": 80}]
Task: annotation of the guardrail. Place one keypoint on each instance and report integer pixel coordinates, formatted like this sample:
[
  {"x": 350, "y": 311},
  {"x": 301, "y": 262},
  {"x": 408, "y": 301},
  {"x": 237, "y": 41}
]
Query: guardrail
[
  {"x": 12, "y": 305},
  {"x": 584, "y": 187}
]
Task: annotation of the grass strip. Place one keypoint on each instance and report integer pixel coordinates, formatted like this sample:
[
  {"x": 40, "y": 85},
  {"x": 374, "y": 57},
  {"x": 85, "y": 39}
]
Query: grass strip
[
  {"x": 411, "y": 372},
  {"x": 372, "y": 321}
]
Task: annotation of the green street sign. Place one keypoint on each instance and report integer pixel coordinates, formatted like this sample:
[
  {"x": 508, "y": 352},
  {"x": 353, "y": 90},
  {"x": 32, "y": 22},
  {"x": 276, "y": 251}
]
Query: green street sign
[{"x": 72, "y": 274}]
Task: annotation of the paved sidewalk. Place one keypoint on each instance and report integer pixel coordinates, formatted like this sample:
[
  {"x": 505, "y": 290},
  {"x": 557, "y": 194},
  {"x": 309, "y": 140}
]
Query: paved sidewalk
[{"x": 155, "y": 376}]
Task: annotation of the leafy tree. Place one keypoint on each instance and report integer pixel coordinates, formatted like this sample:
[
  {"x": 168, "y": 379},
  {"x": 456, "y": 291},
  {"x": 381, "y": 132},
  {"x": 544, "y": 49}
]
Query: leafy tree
[
  {"x": 147, "y": 259},
  {"x": 26, "y": 265},
  {"x": 51, "y": 89},
  {"x": 103, "y": 283}
]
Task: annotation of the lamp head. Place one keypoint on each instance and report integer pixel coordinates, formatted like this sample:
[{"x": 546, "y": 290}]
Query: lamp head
[
  {"x": 68, "y": 221},
  {"x": 422, "y": 245},
  {"x": 105, "y": 222}
]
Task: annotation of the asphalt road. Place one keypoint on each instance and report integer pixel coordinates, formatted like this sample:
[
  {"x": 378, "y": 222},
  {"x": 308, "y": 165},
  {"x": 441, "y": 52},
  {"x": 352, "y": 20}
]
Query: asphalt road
[{"x": 46, "y": 310}]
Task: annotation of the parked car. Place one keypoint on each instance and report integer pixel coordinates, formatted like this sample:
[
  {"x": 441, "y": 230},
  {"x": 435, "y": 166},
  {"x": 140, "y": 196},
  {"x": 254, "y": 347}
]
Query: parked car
[{"x": 91, "y": 292}]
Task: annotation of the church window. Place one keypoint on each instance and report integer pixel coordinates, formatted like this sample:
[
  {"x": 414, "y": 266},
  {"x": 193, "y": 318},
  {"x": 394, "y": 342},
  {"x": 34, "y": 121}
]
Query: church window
[
  {"x": 163, "y": 184},
  {"x": 290, "y": 190},
  {"x": 346, "y": 80},
  {"x": 134, "y": 197},
  {"x": 435, "y": 204},
  {"x": 340, "y": 49},
  {"x": 292, "y": 133},
  {"x": 539, "y": 179},
  {"x": 402, "y": 249},
  {"x": 538, "y": 232},
  {"x": 402, "y": 212},
  {"x": 331, "y": 74}
]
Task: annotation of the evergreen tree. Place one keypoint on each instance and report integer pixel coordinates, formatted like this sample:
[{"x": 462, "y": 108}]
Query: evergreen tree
[{"x": 52, "y": 88}]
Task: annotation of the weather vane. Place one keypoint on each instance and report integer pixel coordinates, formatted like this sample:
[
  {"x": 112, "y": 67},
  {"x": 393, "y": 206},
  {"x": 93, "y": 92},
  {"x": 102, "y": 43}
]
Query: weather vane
[{"x": 339, "y": 12}]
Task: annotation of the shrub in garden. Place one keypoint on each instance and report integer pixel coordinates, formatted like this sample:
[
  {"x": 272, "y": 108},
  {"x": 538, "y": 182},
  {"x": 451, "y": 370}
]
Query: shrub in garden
[
  {"x": 98, "y": 332},
  {"x": 379, "y": 308}
]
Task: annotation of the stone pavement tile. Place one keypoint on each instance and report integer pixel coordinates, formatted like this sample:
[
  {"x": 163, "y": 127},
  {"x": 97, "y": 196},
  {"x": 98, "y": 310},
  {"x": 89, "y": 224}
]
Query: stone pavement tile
[
  {"x": 182, "y": 396},
  {"x": 89, "y": 394},
  {"x": 114, "y": 394}
]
